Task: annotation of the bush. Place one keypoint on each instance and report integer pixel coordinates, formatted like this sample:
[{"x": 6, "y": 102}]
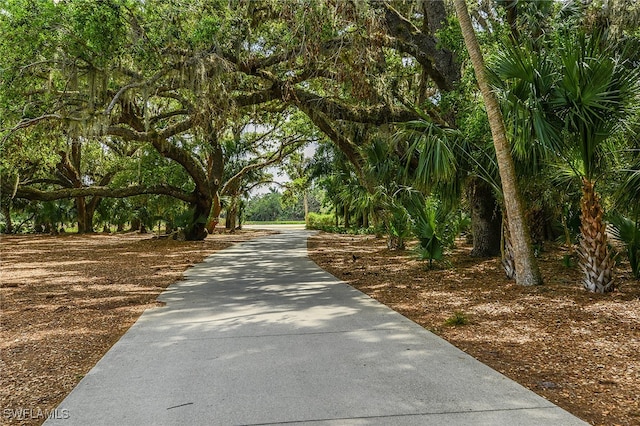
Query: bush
[
  {"x": 627, "y": 231},
  {"x": 321, "y": 221},
  {"x": 458, "y": 318}
]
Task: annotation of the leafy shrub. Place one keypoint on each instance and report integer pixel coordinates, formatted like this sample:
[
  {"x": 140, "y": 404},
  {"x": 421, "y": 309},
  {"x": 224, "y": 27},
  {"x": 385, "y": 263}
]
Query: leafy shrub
[
  {"x": 627, "y": 231},
  {"x": 399, "y": 227},
  {"x": 457, "y": 319},
  {"x": 567, "y": 261},
  {"x": 436, "y": 229},
  {"x": 321, "y": 221},
  {"x": 362, "y": 231},
  {"x": 431, "y": 247}
]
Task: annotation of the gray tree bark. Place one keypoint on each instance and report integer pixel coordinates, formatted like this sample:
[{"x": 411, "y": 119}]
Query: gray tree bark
[{"x": 527, "y": 271}]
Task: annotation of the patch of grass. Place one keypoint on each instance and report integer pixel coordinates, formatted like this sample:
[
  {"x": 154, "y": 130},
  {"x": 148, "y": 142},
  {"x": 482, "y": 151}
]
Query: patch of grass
[
  {"x": 457, "y": 319},
  {"x": 275, "y": 222}
]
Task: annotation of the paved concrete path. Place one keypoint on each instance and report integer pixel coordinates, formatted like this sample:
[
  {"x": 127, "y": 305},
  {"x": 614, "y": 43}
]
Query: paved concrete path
[{"x": 258, "y": 334}]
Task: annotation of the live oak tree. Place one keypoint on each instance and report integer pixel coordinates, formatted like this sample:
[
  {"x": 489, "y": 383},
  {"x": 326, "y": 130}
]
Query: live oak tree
[
  {"x": 123, "y": 75},
  {"x": 156, "y": 73},
  {"x": 153, "y": 75}
]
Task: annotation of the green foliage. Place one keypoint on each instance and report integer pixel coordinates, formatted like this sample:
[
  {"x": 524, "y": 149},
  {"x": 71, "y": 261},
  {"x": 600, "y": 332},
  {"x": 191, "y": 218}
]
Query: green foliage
[
  {"x": 436, "y": 228},
  {"x": 207, "y": 29},
  {"x": 115, "y": 211},
  {"x": 171, "y": 62},
  {"x": 434, "y": 150},
  {"x": 183, "y": 219},
  {"x": 273, "y": 206},
  {"x": 321, "y": 221},
  {"x": 592, "y": 98},
  {"x": 567, "y": 261},
  {"x": 450, "y": 36},
  {"x": 98, "y": 28},
  {"x": 457, "y": 319},
  {"x": 566, "y": 100},
  {"x": 426, "y": 226},
  {"x": 627, "y": 192},
  {"x": 398, "y": 226},
  {"x": 627, "y": 231},
  {"x": 527, "y": 78},
  {"x": 52, "y": 213},
  {"x": 265, "y": 208}
]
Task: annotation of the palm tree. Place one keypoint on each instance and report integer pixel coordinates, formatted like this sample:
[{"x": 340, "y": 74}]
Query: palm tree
[
  {"x": 572, "y": 100},
  {"x": 527, "y": 272},
  {"x": 595, "y": 111},
  {"x": 592, "y": 99}
]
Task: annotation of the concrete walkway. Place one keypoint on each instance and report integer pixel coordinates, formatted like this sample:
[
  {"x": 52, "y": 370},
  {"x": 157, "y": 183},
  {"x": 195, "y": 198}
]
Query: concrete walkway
[{"x": 258, "y": 334}]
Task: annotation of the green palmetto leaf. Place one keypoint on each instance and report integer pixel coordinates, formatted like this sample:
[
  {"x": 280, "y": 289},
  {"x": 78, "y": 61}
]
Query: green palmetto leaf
[
  {"x": 567, "y": 175},
  {"x": 628, "y": 232},
  {"x": 433, "y": 147},
  {"x": 593, "y": 97},
  {"x": 628, "y": 194},
  {"x": 524, "y": 80},
  {"x": 436, "y": 160},
  {"x": 564, "y": 102}
]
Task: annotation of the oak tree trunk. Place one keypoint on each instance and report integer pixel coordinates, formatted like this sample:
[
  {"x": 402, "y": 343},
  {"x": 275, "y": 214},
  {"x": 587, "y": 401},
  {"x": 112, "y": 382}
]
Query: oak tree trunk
[
  {"x": 81, "y": 209},
  {"x": 230, "y": 221},
  {"x": 197, "y": 229},
  {"x": 135, "y": 225},
  {"x": 214, "y": 217},
  {"x": 6, "y": 212},
  {"x": 215, "y": 170},
  {"x": 486, "y": 219}
]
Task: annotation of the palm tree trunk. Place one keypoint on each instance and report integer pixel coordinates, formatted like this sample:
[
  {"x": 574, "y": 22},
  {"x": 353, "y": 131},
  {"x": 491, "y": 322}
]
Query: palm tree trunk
[
  {"x": 506, "y": 248},
  {"x": 527, "y": 272},
  {"x": 595, "y": 258}
]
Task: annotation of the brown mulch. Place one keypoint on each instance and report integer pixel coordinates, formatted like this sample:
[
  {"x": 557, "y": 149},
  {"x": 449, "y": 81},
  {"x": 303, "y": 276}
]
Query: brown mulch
[
  {"x": 577, "y": 349},
  {"x": 65, "y": 300}
]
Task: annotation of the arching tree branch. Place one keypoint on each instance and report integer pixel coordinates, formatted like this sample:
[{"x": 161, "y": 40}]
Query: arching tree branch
[
  {"x": 102, "y": 191},
  {"x": 439, "y": 62}
]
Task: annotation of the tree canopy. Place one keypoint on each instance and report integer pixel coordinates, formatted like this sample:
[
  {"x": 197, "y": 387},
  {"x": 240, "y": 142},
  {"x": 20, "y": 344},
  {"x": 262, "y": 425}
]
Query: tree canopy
[{"x": 176, "y": 110}]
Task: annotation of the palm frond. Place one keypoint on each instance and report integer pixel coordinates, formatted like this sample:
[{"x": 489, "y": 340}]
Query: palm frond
[
  {"x": 567, "y": 175},
  {"x": 524, "y": 80},
  {"x": 431, "y": 145},
  {"x": 628, "y": 194},
  {"x": 627, "y": 232},
  {"x": 593, "y": 97}
]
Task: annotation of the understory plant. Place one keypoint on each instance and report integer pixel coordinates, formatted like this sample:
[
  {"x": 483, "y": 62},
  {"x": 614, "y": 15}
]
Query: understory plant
[{"x": 627, "y": 232}]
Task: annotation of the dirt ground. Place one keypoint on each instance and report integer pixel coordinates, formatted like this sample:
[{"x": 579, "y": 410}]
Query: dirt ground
[
  {"x": 65, "y": 300},
  {"x": 576, "y": 349}
]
